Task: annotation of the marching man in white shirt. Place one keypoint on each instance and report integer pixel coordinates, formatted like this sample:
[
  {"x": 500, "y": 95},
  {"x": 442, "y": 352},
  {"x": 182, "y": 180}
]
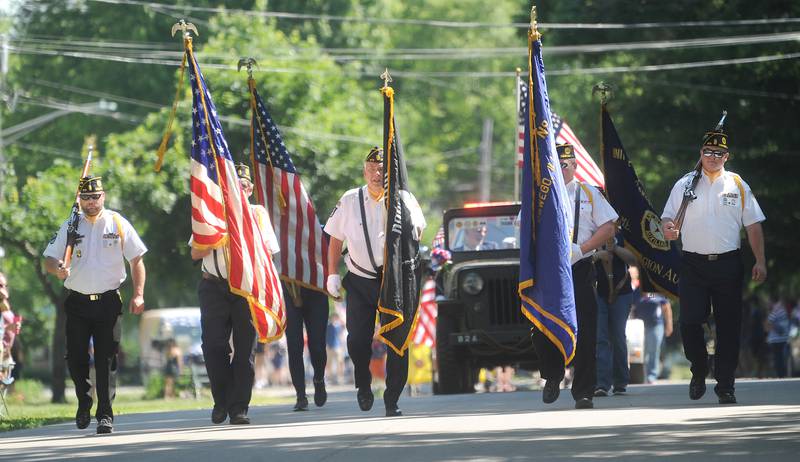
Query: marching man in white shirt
[
  {"x": 712, "y": 269},
  {"x": 93, "y": 305},
  {"x": 359, "y": 221},
  {"x": 593, "y": 226}
]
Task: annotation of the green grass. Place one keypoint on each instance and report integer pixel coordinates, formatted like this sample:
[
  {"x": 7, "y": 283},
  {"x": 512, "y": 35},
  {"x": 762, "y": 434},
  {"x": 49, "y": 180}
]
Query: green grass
[{"x": 31, "y": 412}]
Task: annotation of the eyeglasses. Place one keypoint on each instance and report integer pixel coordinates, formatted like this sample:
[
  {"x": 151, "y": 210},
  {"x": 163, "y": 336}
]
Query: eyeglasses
[
  {"x": 716, "y": 154},
  {"x": 90, "y": 197}
]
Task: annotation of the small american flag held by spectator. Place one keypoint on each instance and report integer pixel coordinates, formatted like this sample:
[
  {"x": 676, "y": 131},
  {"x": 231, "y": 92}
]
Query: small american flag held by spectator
[
  {"x": 425, "y": 330},
  {"x": 304, "y": 247},
  {"x": 221, "y": 215}
]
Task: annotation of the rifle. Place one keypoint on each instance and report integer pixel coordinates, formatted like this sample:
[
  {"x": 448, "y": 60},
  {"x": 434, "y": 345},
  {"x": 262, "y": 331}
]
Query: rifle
[
  {"x": 75, "y": 216},
  {"x": 688, "y": 192}
]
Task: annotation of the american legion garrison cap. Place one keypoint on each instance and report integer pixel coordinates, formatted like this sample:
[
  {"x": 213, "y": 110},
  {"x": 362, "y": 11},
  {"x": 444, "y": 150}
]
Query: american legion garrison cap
[
  {"x": 716, "y": 138},
  {"x": 243, "y": 171},
  {"x": 565, "y": 151},
  {"x": 91, "y": 184},
  {"x": 375, "y": 155}
]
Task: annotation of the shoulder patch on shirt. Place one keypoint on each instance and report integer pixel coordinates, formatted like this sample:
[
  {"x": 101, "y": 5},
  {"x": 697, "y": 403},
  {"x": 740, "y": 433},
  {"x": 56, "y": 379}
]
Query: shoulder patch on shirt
[{"x": 53, "y": 239}]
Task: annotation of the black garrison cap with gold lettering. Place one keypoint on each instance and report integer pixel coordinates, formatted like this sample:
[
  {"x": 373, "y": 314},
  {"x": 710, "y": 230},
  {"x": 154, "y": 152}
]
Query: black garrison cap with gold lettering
[
  {"x": 565, "y": 151},
  {"x": 375, "y": 155},
  {"x": 91, "y": 184},
  {"x": 243, "y": 171}
]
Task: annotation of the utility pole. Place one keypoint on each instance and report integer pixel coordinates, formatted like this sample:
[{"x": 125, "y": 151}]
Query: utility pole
[{"x": 485, "y": 169}]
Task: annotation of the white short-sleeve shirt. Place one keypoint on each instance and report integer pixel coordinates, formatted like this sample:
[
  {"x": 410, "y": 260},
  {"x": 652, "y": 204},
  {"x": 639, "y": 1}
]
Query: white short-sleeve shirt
[
  {"x": 714, "y": 221},
  {"x": 98, "y": 264},
  {"x": 345, "y": 224},
  {"x": 595, "y": 210}
]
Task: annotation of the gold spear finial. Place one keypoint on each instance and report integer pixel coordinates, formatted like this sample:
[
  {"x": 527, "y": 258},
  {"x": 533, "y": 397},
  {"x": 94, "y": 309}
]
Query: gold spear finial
[
  {"x": 249, "y": 63},
  {"x": 184, "y": 27},
  {"x": 534, "y": 32},
  {"x": 386, "y": 78},
  {"x": 605, "y": 90}
]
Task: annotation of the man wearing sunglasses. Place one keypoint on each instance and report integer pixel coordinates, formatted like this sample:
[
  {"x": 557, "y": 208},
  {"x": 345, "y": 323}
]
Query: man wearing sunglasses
[
  {"x": 712, "y": 269},
  {"x": 93, "y": 305}
]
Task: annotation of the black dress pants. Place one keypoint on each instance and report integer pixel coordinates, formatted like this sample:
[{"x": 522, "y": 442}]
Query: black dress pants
[
  {"x": 310, "y": 309},
  {"x": 705, "y": 283},
  {"x": 223, "y": 313},
  {"x": 362, "y": 305},
  {"x": 100, "y": 320},
  {"x": 551, "y": 361}
]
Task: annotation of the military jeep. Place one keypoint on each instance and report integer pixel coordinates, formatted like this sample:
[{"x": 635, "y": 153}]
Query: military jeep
[{"x": 479, "y": 323}]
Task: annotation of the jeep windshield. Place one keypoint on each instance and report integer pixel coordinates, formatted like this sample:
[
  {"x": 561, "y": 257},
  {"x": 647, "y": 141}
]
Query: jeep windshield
[{"x": 483, "y": 233}]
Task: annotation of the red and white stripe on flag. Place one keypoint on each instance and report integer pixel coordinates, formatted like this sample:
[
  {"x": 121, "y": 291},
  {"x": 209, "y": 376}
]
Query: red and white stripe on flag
[
  {"x": 221, "y": 215},
  {"x": 425, "y": 330},
  {"x": 303, "y": 247},
  {"x": 208, "y": 210},
  {"x": 587, "y": 171},
  {"x": 251, "y": 272}
]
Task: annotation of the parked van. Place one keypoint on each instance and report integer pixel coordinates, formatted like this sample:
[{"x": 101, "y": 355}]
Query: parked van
[{"x": 158, "y": 326}]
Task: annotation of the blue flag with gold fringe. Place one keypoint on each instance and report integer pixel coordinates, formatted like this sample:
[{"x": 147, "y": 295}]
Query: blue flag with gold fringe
[
  {"x": 545, "y": 273},
  {"x": 640, "y": 224}
]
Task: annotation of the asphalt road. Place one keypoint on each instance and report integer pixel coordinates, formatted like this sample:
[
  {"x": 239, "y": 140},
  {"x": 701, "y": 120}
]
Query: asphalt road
[{"x": 654, "y": 421}]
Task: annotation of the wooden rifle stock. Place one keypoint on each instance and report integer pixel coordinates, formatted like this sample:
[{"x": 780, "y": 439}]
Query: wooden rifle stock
[{"x": 74, "y": 217}]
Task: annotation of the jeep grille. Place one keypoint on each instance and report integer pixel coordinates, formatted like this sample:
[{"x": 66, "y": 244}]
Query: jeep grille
[{"x": 503, "y": 297}]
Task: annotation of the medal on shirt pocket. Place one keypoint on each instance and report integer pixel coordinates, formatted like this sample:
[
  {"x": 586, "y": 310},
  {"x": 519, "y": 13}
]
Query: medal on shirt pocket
[
  {"x": 729, "y": 199},
  {"x": 110, "y": 240}
]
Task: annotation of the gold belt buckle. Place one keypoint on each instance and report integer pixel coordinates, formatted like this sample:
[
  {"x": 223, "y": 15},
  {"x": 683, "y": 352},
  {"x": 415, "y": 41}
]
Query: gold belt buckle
[
  {"x": 94, "y": 297},
  {"x": 713, "y": 257}
]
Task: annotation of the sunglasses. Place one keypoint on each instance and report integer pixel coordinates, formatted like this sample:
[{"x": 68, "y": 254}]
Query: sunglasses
[
  {"x": 90, "y": 197},
  {"x": 564, "y": 164},
  {"x": 716, "y": 154}
]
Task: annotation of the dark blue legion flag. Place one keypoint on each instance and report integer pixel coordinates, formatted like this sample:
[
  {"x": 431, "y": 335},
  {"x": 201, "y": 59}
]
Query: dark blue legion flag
[
  {"x": 640, "y": 224},
  {"x": 545, "y": 274}
]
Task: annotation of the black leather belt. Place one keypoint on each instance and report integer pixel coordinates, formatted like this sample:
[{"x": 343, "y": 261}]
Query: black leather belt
[
  {"x": 713, "y": 256},
  {"x": 93, "y": 297}
]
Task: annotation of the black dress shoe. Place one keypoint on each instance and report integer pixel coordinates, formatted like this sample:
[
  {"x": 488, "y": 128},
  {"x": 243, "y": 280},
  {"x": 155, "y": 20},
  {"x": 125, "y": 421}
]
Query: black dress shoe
[
  {"x": 727, "y": 397},
  {"x": 301, "y": 404},
  {"x": 240, "y": 419},
  {"x": 218, "y": 415},
  {"x": 320, "y": 394},
  {"x": 697, "y": 388},
  {"x": 82, "y": 417},
  {"x": 365, "y": 399},
  {"x": 584, "y": 403},
  {"x": 393, "y": 411},
  {"x": 551, "y": 391},
  {"x": 105, "y": 425}
]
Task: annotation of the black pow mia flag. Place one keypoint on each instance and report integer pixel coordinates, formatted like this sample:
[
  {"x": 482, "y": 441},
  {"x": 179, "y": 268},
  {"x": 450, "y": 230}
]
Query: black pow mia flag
[{"x": 399, "y": 295}]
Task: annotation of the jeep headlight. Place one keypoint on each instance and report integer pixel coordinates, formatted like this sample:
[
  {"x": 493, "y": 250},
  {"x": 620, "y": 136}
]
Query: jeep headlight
[{"x": 472, "y": 283}]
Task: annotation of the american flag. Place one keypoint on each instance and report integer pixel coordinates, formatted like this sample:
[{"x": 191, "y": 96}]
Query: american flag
[
  {"x": 587, "y": 171},
  {"x": 522, "y": 104},
  {"x": 425, "y": 330},
  {"x": 221, "y": 215},
  {"x": 438, "y": 239},
  {"x": 304, "y": 247}
]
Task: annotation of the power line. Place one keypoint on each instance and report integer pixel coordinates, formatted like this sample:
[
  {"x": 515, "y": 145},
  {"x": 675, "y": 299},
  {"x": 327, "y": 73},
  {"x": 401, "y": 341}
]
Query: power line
[
  {"x": 156, "y": 51},
  {"x": 453, "y": 24},
  {"x": 424, "y": 74}
]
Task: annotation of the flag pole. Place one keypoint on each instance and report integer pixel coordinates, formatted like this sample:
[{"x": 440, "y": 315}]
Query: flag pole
[
  {"x": 517, "y": 168},
  {"x": 605, "y": 91}
]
